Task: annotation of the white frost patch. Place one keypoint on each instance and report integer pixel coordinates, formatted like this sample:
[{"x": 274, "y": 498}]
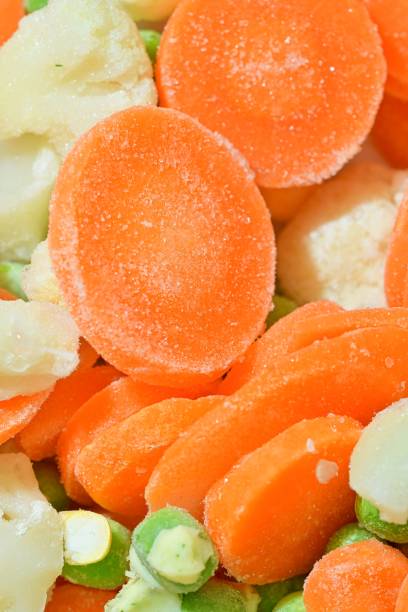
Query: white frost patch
[{"x": 326, "y": 471}]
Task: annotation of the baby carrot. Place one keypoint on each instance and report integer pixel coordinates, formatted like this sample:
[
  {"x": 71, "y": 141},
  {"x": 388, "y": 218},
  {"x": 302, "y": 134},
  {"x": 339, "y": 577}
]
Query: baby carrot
[
  {"x": 11, "y": 11},
  {"x": 392, "y": 21},
  {"x": 396, "y": 268},
  {"x": 115, "y": 467},
  {"x": 285, "y": 499},
  {"x": 390, "y": 131},
  {"x": 355, "y": 374},
  {"x": 17, "y": 412},
  {"x": 402, "y": 599},
  {"x": 167, "y": 217},
  {"x": 271, "y": 345},
  {"x": 274, "y": 78},
  {"x": 363, "y": 576},
  {"x": 113, "y": 404},
  {"x": 39, "y": 439},
  {"x": 72, "y": 598}
]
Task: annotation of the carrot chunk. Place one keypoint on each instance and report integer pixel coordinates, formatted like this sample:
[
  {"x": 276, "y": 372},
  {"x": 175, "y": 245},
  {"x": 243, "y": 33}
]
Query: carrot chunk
[
  {"x": 396, "y": 269},
  {"x": 390, "y": 132},
  {"x": 11, "y": 11},
  {"x": 402, "y": 599},
  {"x": 363, "y": 576},
  {"x": 73, "y": 598},
  {"x": 39, "y": 439},
  {"x": 275, "y": 79},
  {"x": 273, "y": 513},
  {"x": 152, "y": 208},
  {"x": 17, "y": 412}
]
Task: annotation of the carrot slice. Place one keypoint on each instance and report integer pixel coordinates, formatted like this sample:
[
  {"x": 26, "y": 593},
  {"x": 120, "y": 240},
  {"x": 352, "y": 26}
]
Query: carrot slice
[
  {"x": 17, "y": 412},
  {"x": 283, "y": 204},
  {"x": 39, "y": 439},
  {"x": 355, "y": 374},
  {"x": 11, "y": 11},
  {"x": 87, "y": 355},
  {"x": 171, "y": 235},
  {"x": 273, "y": 344},
  {"x": 115, "y": 468},
  {"x": 392, "y": 21},
  {"x": 113, "y": 404},
  {"x": 402, "y": 599},
  {"x": 390, "y": 132},
  {"x": 5, "y": 295},
  {"x": 299, "y": 331},
  {"x": 275, "y": 79},
  {"x": 73, "y": 598},
  {"x": 284, "y": 499},
  {"x": 363, "y": 576},
  {"x": 396, "y": 268}
]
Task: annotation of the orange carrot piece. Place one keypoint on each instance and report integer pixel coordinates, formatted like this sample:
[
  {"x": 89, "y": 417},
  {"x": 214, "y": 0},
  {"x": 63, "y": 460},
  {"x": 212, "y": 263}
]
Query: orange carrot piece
[
  {"x": 392, "y": 21},
  {"x": 402, "y": 599},
  {"x": 5, "y": 295},
  {"x": 390, "y": 132},
  {"x": 273, "y": 513},
  {"x": 274, "y": 78},
  {"x": 115, "y": 468},
  {"x": 171, "y": 235},
  {"x": 283, "y": 204},
  {"x": 363, "y": 576},
  {"x": 39, "y": 439},
  {"x": 11, "y": 11},
  {"x": 273, "y": 344},
  {"x": 17, "y": 412},
  {"x": 87, "y": 355},
  {"x": 396, "y": 268},
  {"x": 73, "y": 598},
  {"x": 355, "y": 374},
  {"x": 113, "y": 404}
]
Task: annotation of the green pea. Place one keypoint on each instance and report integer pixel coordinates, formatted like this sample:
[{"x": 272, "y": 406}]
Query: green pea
[
  {"x": 282, "y": 307},
  {"x": 50, "y": 484},
  {"x": 34, "y": 5},
  {"x": 272, "y": 593},
  {"x": 139, "y": 596},
  {"x": 369, "y": 517},
  {"x": 10, "y": 278},
  {"x": 215, "y": 596},
  {"x": 291, "y": 603},
  {"x": 151, "y": 40},
  {"x": 110, "y": 572},
  {"x": 175, "y": 550},
  {"x": 349, "y": 534}
]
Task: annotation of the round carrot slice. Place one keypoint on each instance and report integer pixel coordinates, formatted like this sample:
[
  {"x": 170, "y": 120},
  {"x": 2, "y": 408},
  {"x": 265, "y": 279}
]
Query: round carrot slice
[
  {"x": 155, "y": 211},
  {"x": 11, "y": 11},
  {"x": 402, "y": 599},
  {"x": 284, "y": 499},
  {"x": 396, "y": 268},
  {"x": 17, "y": 412},
  {"x": 39, "y": 439},
  {"x": 73, "y": 598},
  {"x": 390, "y": 131},
  {"x": 392, "y": 21},
  {"x": 112, "y": 405},
  {"x": 362, "y": 576},
  {"x": 356, "y": 374},
  {"x": 275, "y": 78}
]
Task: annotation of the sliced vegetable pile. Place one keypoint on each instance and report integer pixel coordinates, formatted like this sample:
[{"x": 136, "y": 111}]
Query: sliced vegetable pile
[{"x": 203, "y": 306}]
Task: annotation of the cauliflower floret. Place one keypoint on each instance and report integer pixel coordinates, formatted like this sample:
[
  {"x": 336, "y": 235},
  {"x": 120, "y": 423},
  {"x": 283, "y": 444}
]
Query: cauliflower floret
[
  {"x": 335, "y": 247},
  {"x": 38, "y": 345},
  {"x": 67, "y": 67},
  {"x": 31, "y": 535},
  {"x": 28, "y": 168},
  {"x": 38, "y": 279},
  {"x": 150, "y": 10}
]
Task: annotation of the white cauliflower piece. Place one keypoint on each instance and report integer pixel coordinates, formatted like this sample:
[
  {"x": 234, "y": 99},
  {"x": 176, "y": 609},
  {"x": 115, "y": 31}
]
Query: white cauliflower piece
[
  {"x": 38, "y": 279},
  {"x": 150, "y": 10},
  {"x": 38, "y": 345},
  {"x": 67, "y": 67},
  {"x": 31, "y": 535},
  {"x": 28, "y": 167},
  {"x": 335, "y": 247}
]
